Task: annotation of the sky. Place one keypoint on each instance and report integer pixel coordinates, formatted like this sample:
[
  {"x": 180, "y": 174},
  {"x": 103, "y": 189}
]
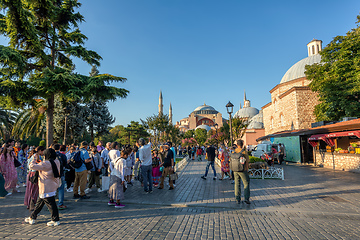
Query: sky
[{"x": 204, "y": 51}]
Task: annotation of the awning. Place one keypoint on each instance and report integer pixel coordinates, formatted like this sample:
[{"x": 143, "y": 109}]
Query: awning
[
  {"x": 329, "y": 138},
  {"x": 343, "y": 134},
  {"x": 314, "y": 138}
]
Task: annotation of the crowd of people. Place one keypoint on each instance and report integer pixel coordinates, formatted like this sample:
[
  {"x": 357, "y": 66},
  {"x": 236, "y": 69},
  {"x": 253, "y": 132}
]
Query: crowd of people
[{"x": 47, "y": 173}]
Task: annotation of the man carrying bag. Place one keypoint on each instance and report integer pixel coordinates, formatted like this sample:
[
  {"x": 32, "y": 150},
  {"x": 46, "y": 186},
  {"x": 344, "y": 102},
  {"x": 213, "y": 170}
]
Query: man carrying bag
[{"x": 239, "y": 164}]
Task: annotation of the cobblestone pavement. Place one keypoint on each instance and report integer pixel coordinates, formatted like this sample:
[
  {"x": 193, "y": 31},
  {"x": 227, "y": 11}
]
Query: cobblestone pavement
[{"x": 311, "y": 203}]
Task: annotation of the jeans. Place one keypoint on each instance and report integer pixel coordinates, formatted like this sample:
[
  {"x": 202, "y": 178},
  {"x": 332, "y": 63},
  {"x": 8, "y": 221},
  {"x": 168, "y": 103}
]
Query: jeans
[
  {"x": 147, "y": 177},
  {"x": 244, "y": 176},
  {"x": 51, "y": 205},
  {"x": 207, "y": 168},
  {"x": 61, "y": 190}
]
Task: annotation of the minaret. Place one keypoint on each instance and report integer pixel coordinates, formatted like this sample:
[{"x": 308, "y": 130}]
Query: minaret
[
  {"x": 160, "y": 104},
  {"x": 246, "y": 102},
  {"x": 170, "y": 114}
]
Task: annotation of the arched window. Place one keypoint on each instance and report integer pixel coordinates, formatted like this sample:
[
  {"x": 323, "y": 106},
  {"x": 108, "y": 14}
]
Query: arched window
[
  {"x": 318, "y": 48},
  {"x": 281, "y": 120},
  {"x": 313, "y": 50},
  {"x": 271, "y": 122},
  {"x": 275, "y": 105}
]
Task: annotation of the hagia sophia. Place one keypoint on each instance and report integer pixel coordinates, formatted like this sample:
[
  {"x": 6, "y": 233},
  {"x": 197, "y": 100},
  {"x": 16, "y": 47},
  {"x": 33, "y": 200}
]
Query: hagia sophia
[{"x": 291, "y": 107}]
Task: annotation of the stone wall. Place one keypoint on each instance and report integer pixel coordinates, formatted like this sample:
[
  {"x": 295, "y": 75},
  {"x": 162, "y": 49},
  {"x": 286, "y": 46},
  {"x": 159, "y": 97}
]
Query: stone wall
[
  {"x": 341, "y": 161},
  {"x": 306, "y": 102}
]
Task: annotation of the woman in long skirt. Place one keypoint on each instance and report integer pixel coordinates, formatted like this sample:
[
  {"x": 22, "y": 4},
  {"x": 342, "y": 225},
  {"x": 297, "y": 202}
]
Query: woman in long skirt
[
  {"x": 117, "y": 181},
  {"x": 7, "y": 168},
  {"x": 156, "y": 168},
  {"x": 32, "y": 189}
]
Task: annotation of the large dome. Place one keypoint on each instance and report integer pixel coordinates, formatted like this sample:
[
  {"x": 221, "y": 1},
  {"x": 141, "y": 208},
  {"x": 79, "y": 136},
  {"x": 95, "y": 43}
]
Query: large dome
[
  {"x": 205, "y": 109},
  {"x": 247, "y": 112},
  {"x": 298, "y": 69}
]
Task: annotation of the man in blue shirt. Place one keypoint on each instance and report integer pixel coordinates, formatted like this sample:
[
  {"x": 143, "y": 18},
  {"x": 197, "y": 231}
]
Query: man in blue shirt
[{"x": 81, "y": 173}]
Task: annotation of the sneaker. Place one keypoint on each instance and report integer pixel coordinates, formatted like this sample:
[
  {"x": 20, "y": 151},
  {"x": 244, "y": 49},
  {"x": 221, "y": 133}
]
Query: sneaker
[
  {"x": 111, "y": 203},
  {"x": 203, "y": 177},
  {"x": 215, "y": 178},
  {"x": 226, "y": 177},
  {"x": 174, "y": 185},
  {"x": 30, "y": 220},
  {"x": 53, "y": 223},
  {"x": 9, "y": 193},
  {"x": 24, "y": 185},
  {"x": 17, "y": 186},
  {"x": 232, "y": 182},
  {"x": 247, "y": 201},
  {"x": 150, "y": 191},
  {"x": 88, "y": 190},
  {"x": 76, "y": 196},
  {"x": 70, "y": 189},
  {"x": 119, "y": 205},
  {"x": 62, "y": 207},
  {"x": 171, "y": 188},
  {"x": 84, "y": 197},
  {"x": 99, "y": 190}
]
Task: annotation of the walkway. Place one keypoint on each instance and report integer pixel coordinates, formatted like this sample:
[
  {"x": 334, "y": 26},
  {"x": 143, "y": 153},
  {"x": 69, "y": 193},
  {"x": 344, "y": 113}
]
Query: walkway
[{"x": 311, "y": 203}]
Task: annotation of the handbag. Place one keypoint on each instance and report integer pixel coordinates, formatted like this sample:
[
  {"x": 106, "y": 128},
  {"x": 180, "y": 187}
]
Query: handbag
[
  {"x": 174, "y": 176},
  {"x": 34, "y": 178},
  {"x": 17, "y": 163}
]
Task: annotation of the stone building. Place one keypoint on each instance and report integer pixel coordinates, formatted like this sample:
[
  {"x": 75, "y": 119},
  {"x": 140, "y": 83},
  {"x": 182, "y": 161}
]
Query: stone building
[
  {"x": 204, "y": 117},
  {"x": 292, "y": 102}
]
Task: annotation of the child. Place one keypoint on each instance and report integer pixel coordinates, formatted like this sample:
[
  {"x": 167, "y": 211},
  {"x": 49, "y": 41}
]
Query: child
[{"x": 117, "y": 181}]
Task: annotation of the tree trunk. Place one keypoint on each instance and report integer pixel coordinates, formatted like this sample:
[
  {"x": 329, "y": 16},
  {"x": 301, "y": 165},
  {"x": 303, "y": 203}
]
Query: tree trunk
[{"x": 50, "y": 121}]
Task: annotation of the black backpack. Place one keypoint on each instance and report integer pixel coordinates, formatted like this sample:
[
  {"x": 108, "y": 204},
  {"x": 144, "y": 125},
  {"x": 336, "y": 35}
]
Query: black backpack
[
  {"x": 76, "y": 161},
  {"x": 237, "y": 161}
]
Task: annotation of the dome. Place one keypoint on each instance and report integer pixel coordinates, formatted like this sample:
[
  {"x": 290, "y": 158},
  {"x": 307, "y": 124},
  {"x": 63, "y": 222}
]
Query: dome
[
  {"x": 258, "y": 117},
  {"x": 298, "y": 69},
  {"x": 247, "y": 112},
  {"x": 205, "y": 109},
  {"x": 255, "y": 125},
  {"x": 206, "y": 127}
]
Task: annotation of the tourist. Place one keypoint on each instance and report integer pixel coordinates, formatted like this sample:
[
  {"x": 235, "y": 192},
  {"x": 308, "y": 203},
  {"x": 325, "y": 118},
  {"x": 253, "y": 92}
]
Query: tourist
[
  {"x": 70, "y": 173},
  {"x": 136, "y": 169},
  {"x": 168, "y": 164},
  {"x": 210, "y": 156},
  {"x": 81, "y": 173},
  {"x": 199, "y": 153},
  {"x": 243, "y": 175},
  {"x": 105, "y": 159},
  {"x": 3, "y": 192},
  {"x": 95, "y": 172},
  {"x": 224, "y": 157},
  {"x": 49, "y": 181},
  {"x": 281, "y": 153},
  {"x": 114, "y": 153},
  {"x": 156, "y": 168},
  {"x": 7, "y": 168},
  {"x": 100, "y": 147},
  {"x": 32, "y": 189},
  {"x": 146, "y": 162},
  {"x": 63, "y": 165},
  {"x": 22, "y": 170},
  {"x": 130, "y": 162},
  {"x": 117, "y": 181}
]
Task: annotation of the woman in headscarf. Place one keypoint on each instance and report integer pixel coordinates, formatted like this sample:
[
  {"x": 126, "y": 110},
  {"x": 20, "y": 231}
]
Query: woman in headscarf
[{"x": 7, "y": 168}]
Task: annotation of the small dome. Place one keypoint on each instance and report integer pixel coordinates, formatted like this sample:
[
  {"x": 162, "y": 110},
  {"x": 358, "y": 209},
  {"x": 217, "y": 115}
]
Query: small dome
[
  {"x": 206, "y": 127},
  {"x": 258, "y": 117},
  {"x": 205, "y": 109},
  {"x": 255, "y": 125},
  {"x": 247, "y": 112},
  {"x": 298, "y": 69}
]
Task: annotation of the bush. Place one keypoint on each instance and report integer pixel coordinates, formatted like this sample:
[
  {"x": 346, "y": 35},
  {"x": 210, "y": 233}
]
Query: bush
[{"x": 255, "y": 159}]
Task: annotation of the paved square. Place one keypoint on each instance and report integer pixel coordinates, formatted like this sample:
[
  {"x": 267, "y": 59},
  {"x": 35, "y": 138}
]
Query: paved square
[{"x": 311, "y": 203}]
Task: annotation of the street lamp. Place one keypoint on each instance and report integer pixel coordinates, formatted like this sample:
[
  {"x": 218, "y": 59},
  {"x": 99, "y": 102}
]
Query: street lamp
[
  {"x": 230, "y": 108},
  {"x": 67, "y": 111}
]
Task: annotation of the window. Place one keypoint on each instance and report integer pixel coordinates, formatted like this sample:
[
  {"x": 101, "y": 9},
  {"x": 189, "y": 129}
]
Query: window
[
  {"x": 272, "y": 122},
  {"x": 313, "y": 49},
  {"x": 275, "y": 107},
  {"x": 282, "y": 120},
  {"x": 318, "y": 48}
]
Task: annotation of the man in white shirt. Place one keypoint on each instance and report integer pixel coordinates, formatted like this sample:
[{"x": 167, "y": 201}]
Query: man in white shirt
[
  {"x": 146, "y": 164},
  {"x": 105, "y": 158}
]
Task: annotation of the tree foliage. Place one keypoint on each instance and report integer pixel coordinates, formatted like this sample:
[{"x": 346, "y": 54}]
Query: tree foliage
[
  {"x": 200, "y": 136},
  {"x": 44, "y": 37},
  {"x": 337, "y": 78}
]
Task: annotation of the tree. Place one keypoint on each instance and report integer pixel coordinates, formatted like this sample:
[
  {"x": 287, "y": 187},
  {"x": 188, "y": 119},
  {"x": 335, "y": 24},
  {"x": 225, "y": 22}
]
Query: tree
[
  {"x": 239, "y": 126},
  {"x": 200, "y": 136},
  {"x": 336, "y": 79},
  {"x": 157, "y": 124},
  {"x": 44, "y": 37},
  {"x": 7, "y": 119}
]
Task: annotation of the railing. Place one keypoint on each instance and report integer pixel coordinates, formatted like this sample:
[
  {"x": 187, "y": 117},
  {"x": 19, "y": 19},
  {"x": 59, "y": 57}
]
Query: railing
[{"x": 269, "y": 173}]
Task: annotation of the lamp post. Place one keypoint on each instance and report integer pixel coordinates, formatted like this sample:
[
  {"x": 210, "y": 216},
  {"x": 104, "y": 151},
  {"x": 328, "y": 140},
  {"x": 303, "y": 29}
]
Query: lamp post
[
  {"x": 67, "y": 111},
  {"x": 216, "y": 128},
  {"x": 230, "y": 108}
]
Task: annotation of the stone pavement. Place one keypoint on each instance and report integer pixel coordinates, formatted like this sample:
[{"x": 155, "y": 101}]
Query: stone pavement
[{"x": 311, "y": 203}]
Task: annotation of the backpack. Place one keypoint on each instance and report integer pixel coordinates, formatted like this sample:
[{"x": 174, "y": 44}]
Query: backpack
[
  {"x": 237, "y": 161},
  {"x": 76, "y": 161}
]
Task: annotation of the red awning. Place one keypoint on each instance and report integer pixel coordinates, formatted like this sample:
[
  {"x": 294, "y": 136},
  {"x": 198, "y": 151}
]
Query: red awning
[
  {"x": 328, "y": 138},
  {"x": 343, "y": 134}
]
